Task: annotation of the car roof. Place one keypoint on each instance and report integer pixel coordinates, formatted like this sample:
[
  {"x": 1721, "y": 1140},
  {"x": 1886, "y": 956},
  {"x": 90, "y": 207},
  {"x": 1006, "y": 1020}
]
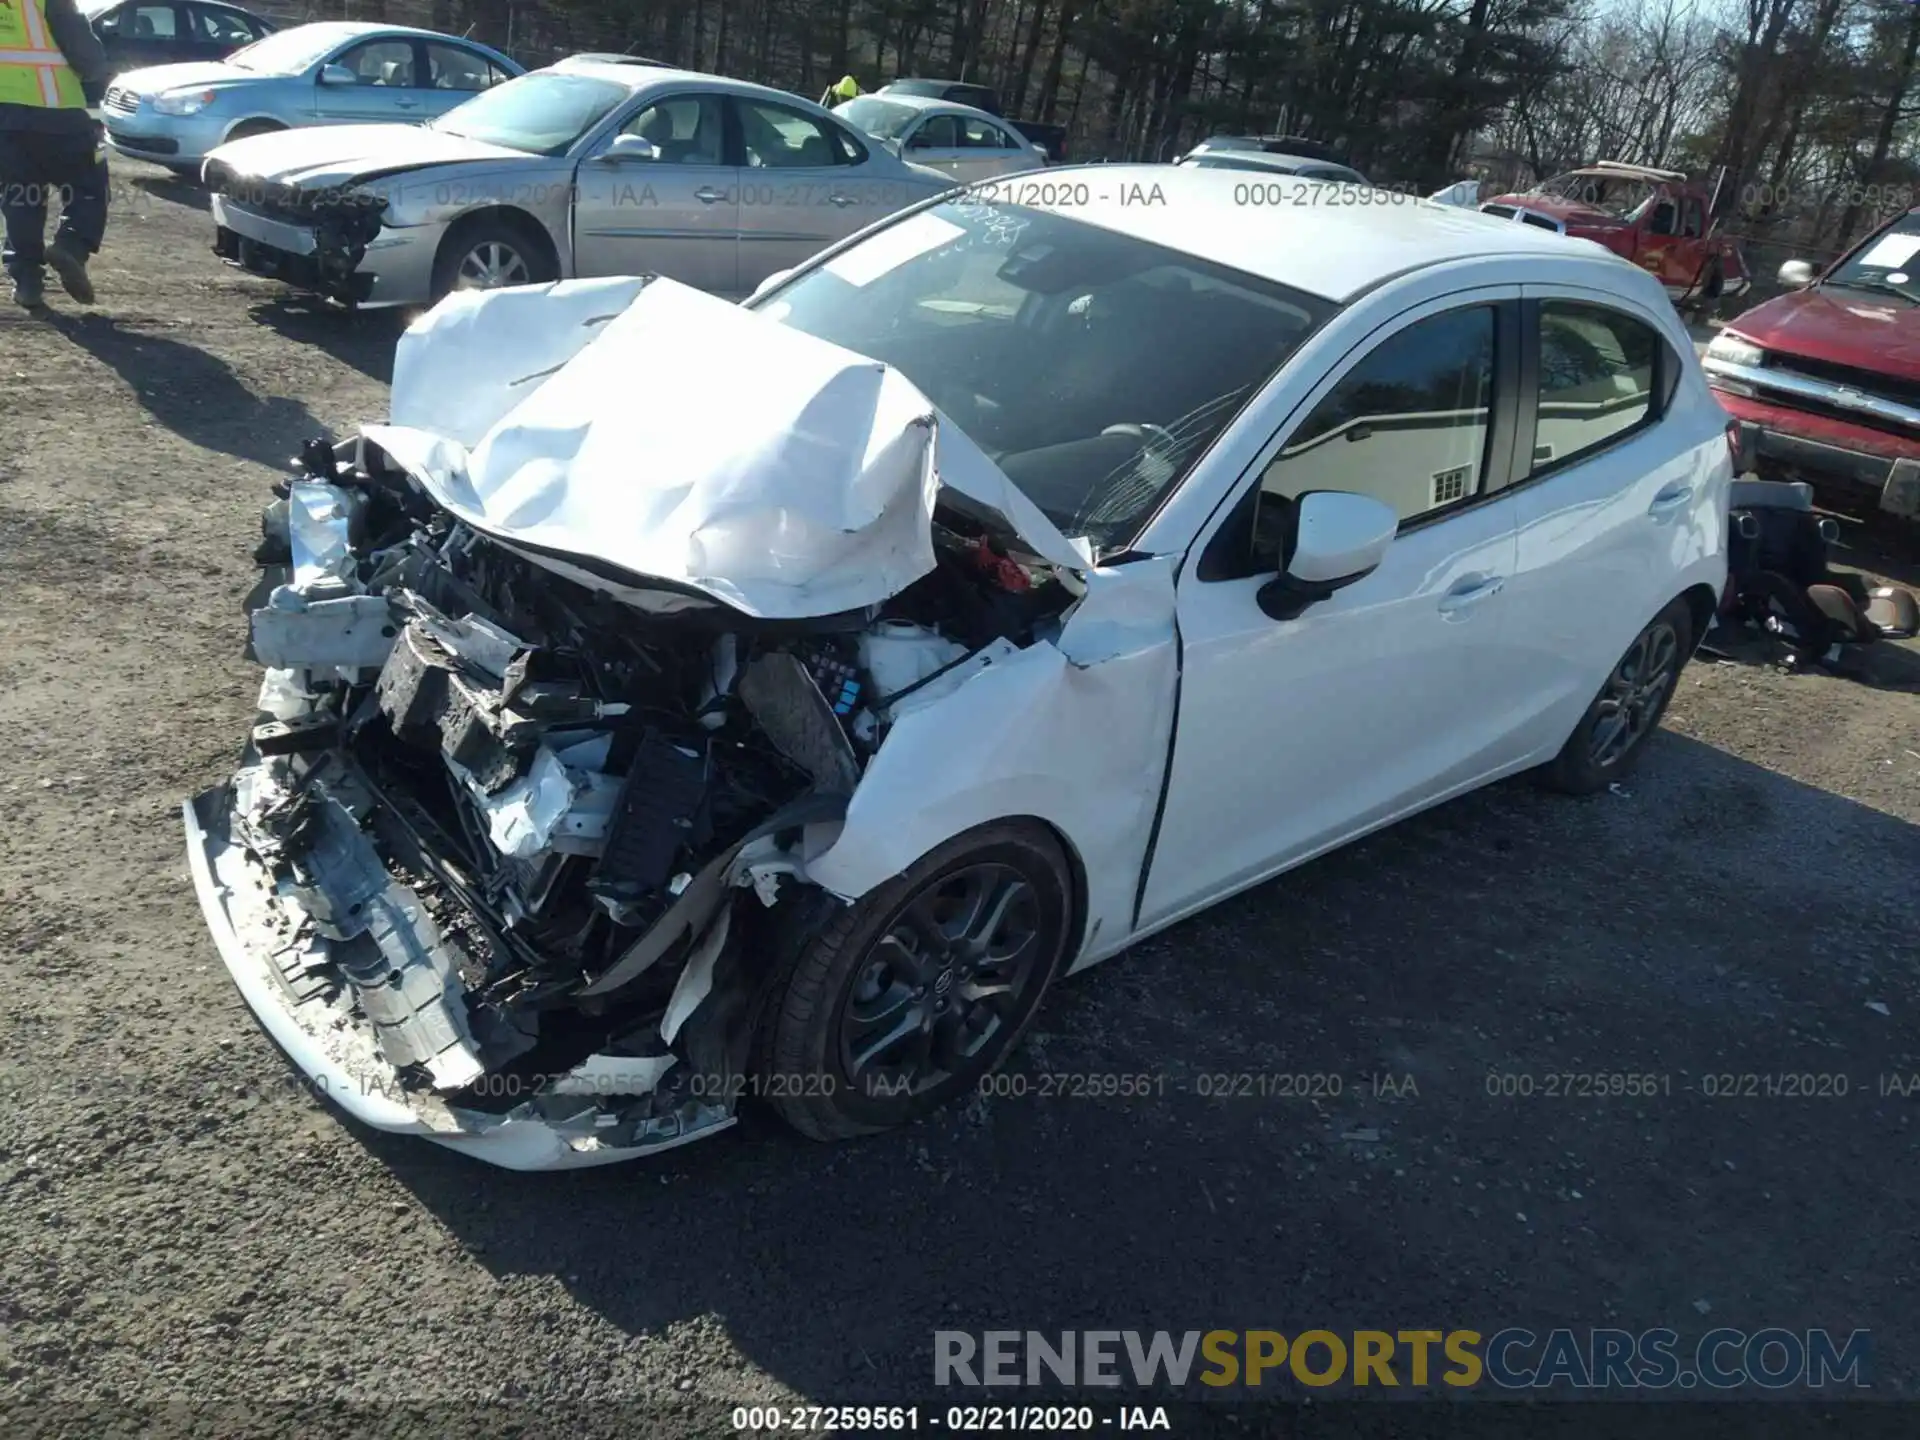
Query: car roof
[
  {"x": 1273, "y": 160},
  {"x": 933, "y": 102},
  {"x": 930, "y": 80},
  {"x": 350, "y": 29},
  {"x": 1619, "y": 170},
  {"x": 1333, "y": 251},
  {"x": 652, "y": 77},
  {"x": 610, "y": 57}
]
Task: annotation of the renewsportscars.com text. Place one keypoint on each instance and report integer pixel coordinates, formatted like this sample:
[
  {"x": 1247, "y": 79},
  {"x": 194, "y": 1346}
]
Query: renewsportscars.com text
[{"x": 1510, "y": 1359}]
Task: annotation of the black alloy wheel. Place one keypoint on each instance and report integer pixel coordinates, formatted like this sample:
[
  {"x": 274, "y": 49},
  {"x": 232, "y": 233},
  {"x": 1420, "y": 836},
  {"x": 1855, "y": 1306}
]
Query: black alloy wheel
[{"x": 904, "y": 1000}]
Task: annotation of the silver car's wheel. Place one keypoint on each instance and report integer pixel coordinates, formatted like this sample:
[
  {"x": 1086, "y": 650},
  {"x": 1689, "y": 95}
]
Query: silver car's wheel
[
  {"x": 491, "y": 251},
  {"x": 490, "y": 265}
]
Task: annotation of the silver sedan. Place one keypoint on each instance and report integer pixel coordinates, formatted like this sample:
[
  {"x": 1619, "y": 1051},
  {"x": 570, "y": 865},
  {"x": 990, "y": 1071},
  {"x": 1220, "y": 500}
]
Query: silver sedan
[
  {"x": 328, "y": 74},
  {"x": 957, "y": 140},
  {"x": 589, "y": 167}
]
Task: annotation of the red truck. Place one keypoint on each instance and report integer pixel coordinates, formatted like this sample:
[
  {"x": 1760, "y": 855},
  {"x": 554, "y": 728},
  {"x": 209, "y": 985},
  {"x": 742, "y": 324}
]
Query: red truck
[
  {"x": 1658, "y": 219},
  {"x": 1826, "y": 378}
]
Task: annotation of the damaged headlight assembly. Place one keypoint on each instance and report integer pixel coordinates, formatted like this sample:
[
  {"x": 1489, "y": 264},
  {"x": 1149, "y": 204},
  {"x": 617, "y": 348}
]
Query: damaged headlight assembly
[
  {"x": 612, "y": 765},
  {"x": 504, "y": 854}
]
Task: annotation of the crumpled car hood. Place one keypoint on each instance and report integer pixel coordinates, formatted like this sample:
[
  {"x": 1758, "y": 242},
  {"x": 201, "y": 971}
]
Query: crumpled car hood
[
  {"x": 325, "y": 155},
  {"x": 633, "y": 431}
]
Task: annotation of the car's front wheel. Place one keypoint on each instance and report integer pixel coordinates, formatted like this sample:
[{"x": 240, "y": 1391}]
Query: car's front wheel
[
  {"x": 904, "y": 1000},
  {"x": 247, "y": 129},
  {"x": 490, "y": 252},
  {"x": 1607, "y": 742}
]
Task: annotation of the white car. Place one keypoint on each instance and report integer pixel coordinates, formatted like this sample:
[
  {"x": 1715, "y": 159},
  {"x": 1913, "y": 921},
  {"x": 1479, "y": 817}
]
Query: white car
[
  {"x": 680, "y": 704},
  {"x": 957, "y": 140}
]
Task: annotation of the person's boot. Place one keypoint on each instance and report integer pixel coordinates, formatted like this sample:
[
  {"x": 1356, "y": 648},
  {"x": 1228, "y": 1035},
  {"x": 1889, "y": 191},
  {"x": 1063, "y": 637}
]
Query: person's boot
[
  {"x": 71, "y": 266},
  {"x": 29, "y": 290}
]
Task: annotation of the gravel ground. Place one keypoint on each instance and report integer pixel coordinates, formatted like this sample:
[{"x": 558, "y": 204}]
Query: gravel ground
[{"x": 178, "y": 1220}]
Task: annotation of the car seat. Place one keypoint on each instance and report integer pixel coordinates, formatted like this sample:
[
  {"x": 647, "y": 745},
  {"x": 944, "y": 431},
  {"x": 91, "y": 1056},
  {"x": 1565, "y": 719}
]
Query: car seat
[
  {"x": 143, "y": 26},
  {"x": 1780, "y": 580},
  {"x": 397, "y": 73}
]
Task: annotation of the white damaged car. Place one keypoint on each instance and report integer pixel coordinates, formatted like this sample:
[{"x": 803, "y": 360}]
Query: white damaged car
[{"x": 677, "y": 705}]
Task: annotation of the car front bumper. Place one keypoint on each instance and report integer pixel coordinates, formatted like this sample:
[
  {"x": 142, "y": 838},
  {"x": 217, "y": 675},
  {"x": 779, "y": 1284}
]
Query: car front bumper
[
  {"x": 145, "y": 134},
  {"x": 397, "y": 268},
  {"x": 332, "y": 1044},
  {"x": 1823, "y": 447}
]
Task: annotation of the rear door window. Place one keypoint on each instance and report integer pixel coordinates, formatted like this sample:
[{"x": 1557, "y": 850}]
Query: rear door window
[
  {"x": 215, "y": 26},
  {"x": 148, "y": 22},
  {"x": 1598, "y": 370},
  {"x": 776, "y": 138},
  {"x": 454, "y": 67}
]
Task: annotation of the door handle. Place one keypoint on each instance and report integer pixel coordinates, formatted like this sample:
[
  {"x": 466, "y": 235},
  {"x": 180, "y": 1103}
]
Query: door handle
[
  {"x": 707, "y": 195},
  {"x": 1670, "y": 499},
  {"x": 1459, "y": 602},
  {"x": 406, "y": 104}
]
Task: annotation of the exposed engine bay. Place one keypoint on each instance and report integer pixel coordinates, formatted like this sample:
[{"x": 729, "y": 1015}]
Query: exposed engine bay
[
  {"x": 584, "y": 711},
  {"x": 513, "y": 823}
]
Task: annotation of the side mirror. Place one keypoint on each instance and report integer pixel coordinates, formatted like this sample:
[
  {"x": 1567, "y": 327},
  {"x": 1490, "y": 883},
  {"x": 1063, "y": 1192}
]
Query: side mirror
[
  {"x": 1796, "y": 274},
  {"x": 631, "y": 147},
  {"x": 1338, "y": 538},
  {"x": 338, "y": 75}
]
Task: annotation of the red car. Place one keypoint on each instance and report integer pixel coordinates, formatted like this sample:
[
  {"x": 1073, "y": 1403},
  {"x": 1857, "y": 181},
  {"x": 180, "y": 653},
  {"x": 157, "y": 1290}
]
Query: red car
[
  {"x": 1658, "y": 219},
  {"x": 1828, "y": 376}
]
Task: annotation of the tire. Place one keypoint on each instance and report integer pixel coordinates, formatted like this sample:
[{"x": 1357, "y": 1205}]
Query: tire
[
  {"x": 864, "y": 999},
  {"x": 509, "y": 247},
  {"x": 1596, "y": 755}
]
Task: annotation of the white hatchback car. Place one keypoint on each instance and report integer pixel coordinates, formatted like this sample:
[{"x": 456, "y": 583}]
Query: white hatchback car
[{"x": 1003, "y": 586}]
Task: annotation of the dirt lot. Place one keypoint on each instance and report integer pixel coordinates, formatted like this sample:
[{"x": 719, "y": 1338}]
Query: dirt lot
[{"x": 177, "y": 1219}]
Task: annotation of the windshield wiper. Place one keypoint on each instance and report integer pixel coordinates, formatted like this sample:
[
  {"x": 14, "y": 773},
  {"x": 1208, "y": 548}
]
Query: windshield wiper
[{"x": 1911, "y": 296}]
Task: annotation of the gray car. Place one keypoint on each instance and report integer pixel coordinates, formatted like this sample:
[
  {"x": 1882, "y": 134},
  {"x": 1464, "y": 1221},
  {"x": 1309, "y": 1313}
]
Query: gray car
[
  {"x": 589, "y": 167},
  {"x": 327, "y": 74},
  {"x": 957, "y": 140},
  {"x": 1270, "y": 163}
]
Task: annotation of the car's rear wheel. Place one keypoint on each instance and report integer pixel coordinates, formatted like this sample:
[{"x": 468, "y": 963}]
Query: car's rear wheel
[
  {"x": 904, "y": 1000},
  {"x": 490, "y": 252},
  {"x": 1607, "y": 742}
]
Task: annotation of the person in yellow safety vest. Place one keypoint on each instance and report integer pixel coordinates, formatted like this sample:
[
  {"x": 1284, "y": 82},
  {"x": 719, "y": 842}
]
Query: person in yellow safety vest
[
  {"x": 838, "y": 94},
  {"x": 51, "y": 70}
]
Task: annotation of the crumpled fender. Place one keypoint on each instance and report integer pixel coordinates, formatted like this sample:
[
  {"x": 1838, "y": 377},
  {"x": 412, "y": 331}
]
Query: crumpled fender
[{"x": 1075, "y": 733}]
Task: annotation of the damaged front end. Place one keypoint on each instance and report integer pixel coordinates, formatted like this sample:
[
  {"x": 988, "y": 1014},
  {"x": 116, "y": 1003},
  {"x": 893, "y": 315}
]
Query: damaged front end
[
  {"x": 313, "y": 239},
  {"x": 510, "y": 861}
]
